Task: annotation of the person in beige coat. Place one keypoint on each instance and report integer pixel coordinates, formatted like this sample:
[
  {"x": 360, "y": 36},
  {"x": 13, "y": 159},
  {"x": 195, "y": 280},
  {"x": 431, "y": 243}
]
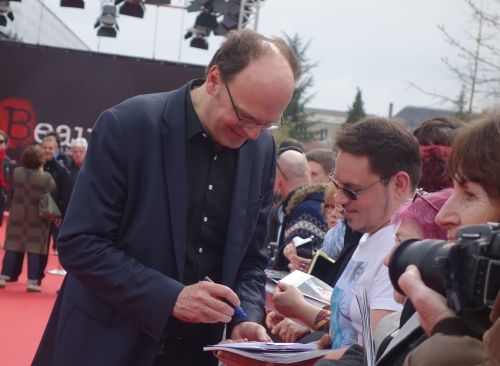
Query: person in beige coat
[{"x": 27, "y": 232}]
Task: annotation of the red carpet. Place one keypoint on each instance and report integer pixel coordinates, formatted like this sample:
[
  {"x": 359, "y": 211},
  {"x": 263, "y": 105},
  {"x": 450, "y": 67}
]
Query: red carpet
[{"x": 23, "y": 315}]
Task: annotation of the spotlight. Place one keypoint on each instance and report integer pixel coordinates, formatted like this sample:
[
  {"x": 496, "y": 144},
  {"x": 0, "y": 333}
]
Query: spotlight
[
  {"x": 73, "y": 4},
  {"x": 107, "y": 21},
  {"x": 199, "y": 42},
  {"x": 206, "y": 20},
  {"x": 5, "y": 12},
  {"x": 132, "y": 8},
  {"x": 106, "y": 32}
]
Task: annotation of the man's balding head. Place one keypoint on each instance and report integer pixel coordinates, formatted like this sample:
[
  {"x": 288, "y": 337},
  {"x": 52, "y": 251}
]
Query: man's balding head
[
  {"x": 240, "y": 48},
  {"x": 293, "y": 172}
]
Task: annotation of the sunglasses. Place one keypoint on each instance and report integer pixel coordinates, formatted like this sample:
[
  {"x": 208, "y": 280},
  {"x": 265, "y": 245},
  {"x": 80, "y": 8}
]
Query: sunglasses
[
  {"x": 353, "y": 195},
  {"x": 281, "y": 151},
  {"x": 420, "y": 194}
]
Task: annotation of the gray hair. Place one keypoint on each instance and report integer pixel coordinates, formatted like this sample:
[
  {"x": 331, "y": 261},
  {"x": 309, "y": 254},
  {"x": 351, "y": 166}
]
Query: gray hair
[
  {"x": 79, "y": 142},
  {"x": 51, "y": 139}
]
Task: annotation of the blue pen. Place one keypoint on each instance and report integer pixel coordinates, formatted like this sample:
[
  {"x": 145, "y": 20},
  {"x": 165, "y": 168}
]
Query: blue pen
[{"x": 237, "y": 309}]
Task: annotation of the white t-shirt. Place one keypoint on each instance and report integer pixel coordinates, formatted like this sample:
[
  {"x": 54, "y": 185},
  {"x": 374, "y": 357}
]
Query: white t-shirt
[{"x": 366, "y": 268}]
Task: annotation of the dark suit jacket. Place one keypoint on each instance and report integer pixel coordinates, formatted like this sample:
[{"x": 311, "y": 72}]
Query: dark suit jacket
[{"x": 124, "y": 237}]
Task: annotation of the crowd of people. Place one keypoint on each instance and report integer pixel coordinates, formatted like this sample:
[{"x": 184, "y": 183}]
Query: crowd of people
[
  {"x": 182, "y": 194},
  {"x": 43, "y": 169},
  {"x": 462, "y": 187}
]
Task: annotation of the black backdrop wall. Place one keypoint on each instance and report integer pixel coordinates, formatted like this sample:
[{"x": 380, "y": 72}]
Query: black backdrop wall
[{"x": 44, "y": 89}]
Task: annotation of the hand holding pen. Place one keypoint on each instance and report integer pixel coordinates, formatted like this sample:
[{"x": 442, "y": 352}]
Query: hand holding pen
[
  {"x": 201, "y": 303},
  {"x": 238, "y": 310}
]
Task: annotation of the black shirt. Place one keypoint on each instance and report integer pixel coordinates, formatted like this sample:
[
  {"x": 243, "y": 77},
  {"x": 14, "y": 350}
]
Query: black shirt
[{"x": 210, "y": 189}]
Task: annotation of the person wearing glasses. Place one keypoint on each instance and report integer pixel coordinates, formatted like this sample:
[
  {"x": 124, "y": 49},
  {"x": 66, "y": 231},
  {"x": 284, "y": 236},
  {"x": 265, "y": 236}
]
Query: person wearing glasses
[
  {"x": 175, "y": 187},
  {"x": 474, "y": 164},
  {"x": 377, "y": 170}
]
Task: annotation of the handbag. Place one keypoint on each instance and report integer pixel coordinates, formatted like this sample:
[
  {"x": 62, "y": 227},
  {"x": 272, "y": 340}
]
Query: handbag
[{"x": 47, "y": 208}]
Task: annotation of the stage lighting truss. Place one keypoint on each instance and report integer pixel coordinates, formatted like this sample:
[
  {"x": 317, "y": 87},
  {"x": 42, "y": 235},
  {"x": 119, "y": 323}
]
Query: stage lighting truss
[
  {"x": 221, "y": 16},
  {"x": 132, "y": 8},
  {"x": 106, "y": 23},
  {"x": 5, "y": 12}
]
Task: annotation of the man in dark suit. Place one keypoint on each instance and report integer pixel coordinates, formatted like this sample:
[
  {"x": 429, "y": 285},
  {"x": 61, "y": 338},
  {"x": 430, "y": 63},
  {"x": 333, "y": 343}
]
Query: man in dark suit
[{"x": 174, "y": 187}]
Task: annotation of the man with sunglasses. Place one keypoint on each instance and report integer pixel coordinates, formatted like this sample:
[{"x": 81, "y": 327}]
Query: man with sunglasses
[
  {"x": 377, "y": 170},
  {"x": 175, "y": 187}
]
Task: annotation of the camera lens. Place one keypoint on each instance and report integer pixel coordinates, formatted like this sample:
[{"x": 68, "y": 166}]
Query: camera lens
[{"x": 426, "y": 255}]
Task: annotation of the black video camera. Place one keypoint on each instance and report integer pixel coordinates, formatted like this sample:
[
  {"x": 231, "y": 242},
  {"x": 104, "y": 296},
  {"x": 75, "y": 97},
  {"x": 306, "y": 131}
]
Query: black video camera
[{"x": 467, "y": 273}]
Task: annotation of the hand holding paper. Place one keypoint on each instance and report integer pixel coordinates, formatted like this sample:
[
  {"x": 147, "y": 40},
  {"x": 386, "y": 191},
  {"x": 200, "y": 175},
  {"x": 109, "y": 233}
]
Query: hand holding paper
[
  {"x": 290, "y": 331},
  {"x": 250, "y": 331},
  {"x": 298, "y": 263},
  {"x": 288, "y": 300}
]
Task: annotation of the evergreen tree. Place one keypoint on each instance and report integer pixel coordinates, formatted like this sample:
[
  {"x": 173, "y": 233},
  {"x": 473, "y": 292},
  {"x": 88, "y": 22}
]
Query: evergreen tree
[
  {"x": 295, "y": 116},
  {"x": 461, "y": 106},
  {"x": 356, "y": 112}
]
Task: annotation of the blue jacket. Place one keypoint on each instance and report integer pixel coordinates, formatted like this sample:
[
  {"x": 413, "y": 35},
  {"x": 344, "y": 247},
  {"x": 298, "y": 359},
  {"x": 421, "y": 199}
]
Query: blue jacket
[
  {"x": 124, "y": 237},
  {"x": 303, "y": 218}
]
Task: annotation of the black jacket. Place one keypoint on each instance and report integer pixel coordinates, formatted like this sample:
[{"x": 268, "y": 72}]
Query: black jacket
[{"x": 60, "y": 175}]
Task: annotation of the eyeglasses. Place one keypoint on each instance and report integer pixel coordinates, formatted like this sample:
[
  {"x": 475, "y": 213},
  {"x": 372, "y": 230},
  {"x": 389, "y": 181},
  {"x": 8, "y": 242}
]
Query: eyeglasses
[
  {"x": 281, "y": 151},
  {"x": 353, "y": 195},
  {"x": 243, "y": 122},
  {"x": 420, "y": 194}
]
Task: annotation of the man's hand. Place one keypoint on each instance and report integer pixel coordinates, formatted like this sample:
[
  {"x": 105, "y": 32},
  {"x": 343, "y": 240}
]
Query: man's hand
[
  {"x": 290, "y": 331},
  {"x": 288, "y": 299},
  {"x": 298, "y": 263},
  {"x": 430, "y": 305},
  {"x": 199, "y": 303},
  {"x": 250, "y": 331}
]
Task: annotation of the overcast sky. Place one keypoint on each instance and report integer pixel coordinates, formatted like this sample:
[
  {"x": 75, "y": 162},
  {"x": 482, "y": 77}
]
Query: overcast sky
[{"x": 379, "y": 46}]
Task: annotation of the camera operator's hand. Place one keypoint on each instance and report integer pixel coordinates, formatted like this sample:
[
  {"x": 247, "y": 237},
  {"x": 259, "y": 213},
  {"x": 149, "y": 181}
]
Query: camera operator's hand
[{"x": 430, "y": 305}]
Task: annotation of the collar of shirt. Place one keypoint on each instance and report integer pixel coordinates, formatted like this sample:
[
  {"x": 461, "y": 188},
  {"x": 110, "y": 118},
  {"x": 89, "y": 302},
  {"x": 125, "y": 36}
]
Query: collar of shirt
[{"x": 194, "y": 125}]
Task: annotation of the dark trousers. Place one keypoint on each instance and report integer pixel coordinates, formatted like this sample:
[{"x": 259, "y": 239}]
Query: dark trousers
[
  {"x": 54, "y": 232},
  {"x": 16, "y": 266},
  {"x": 10, "y": 265}
]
